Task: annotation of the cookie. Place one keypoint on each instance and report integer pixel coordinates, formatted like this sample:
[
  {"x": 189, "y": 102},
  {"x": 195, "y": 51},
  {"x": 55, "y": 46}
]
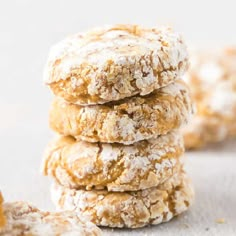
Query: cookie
[
  {"x": 212, "y": 80},
  {"x": 116, "y": 167},
  {"x": 126, "y": 121},
  {"x": 205, "y": 130},
  {"x": 24, "y": 219},
  {"x": 114, "y": 62},
  {"x": 128, "y": 209},
  {"x": 2, "y": 217}
]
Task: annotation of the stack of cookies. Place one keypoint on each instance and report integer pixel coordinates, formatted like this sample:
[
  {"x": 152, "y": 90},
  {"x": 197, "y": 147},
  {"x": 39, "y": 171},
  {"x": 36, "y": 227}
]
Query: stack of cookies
[{"x": 118, "y": 108}]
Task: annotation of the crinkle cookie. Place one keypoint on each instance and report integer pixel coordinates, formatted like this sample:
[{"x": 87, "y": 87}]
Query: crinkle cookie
[
  {"x": 24, "y": 219},
  {"x": 212, "y": 80},
  {"x": 116, "y": 167},
  {"x": 115, "y": 62},
  {"x": 204, "y": 130},
  {"x": 128, "y": 209},
  {"x": 127, "y": 121}
]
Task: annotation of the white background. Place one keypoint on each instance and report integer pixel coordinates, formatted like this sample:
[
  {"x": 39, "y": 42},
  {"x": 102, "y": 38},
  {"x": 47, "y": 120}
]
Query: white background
[{"x": 28, "y": 28}]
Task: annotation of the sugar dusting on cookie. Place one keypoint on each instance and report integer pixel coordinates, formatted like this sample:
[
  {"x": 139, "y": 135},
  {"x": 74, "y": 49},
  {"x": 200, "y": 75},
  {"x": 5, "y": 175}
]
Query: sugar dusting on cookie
[
  {"x": 116, "y": 167},
  {"x": 210, "y": 73},
  {"x": 127, "y": 121},
  {"x": 25, "y": 219},
  {"x": 223, "y": 98},
  {"x": 115, "y": 62},
  {"x": 128, "y": 209}
]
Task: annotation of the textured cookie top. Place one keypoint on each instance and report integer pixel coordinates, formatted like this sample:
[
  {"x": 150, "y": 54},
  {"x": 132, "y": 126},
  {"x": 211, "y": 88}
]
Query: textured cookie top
[
  {"x": 117, "y": 167},
  {"x": 125, "y": 121},
  {"x": 24, "y": 219},
  {"x": 115, "y": 62},
  {"x": 128, "y": 209},
  {"x": 212, "y": 79}
]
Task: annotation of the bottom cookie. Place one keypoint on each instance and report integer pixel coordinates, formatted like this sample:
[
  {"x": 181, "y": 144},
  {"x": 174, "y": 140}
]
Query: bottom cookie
[
  {"x": 20, "y": 218},
  {"x": 128, "y": 209}
]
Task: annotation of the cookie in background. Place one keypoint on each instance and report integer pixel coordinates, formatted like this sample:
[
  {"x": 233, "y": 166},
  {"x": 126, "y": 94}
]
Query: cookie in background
[
  {"x": 2, "y": 217},
  {"x": 212, "y": 81}
]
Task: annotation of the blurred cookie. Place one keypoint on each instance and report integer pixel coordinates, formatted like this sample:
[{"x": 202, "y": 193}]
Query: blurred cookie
[
  {"x": 212, "y": 80},
  {"x": 126, "y": 121},
  {"x": 2, "y": 217},
  {"x": 204, "y": 130},
  {"x": 116, "y": 167},
  {"x": 128, "y": 209},
  {"x": 24, "y": 219},
  {"x": 115, "y": 62}
]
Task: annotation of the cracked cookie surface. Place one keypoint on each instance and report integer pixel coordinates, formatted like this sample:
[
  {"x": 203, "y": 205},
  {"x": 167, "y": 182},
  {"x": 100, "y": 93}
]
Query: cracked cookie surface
[
  {"x": 128, "y": 209},
  {"x": 115, "y": 167},
  {"x": 212, "y": 81},
  {"x": 115, "y": 62},
  {"x": 24, "y": 219},
  {"x": 126, "y": 121}
]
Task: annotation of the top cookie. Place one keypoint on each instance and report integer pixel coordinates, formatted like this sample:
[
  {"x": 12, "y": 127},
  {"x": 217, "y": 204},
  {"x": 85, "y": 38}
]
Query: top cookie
[{"x": 114, "y": 62}]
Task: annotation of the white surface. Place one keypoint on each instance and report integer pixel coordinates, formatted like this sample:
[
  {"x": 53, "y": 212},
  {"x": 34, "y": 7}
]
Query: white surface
[{"x": 28, "y": 28}]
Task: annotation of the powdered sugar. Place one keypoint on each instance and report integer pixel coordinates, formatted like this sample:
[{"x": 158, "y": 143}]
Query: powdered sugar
[
  {"x": 129, "y": 209},
  {"x": 24, "y": 219},
  {"x": 115, "y": 62},
  {"x": 115, "y": 166},
  {"x": 223, "y": 98},
  {"x": 210, "y": 73},
  {"x": 128, "y": 121}
]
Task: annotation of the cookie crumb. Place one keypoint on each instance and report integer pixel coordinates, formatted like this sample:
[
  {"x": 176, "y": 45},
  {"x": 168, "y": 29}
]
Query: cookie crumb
[
  {"x": 220, "y": 220},
  {"x": 186, "y": 226}
]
